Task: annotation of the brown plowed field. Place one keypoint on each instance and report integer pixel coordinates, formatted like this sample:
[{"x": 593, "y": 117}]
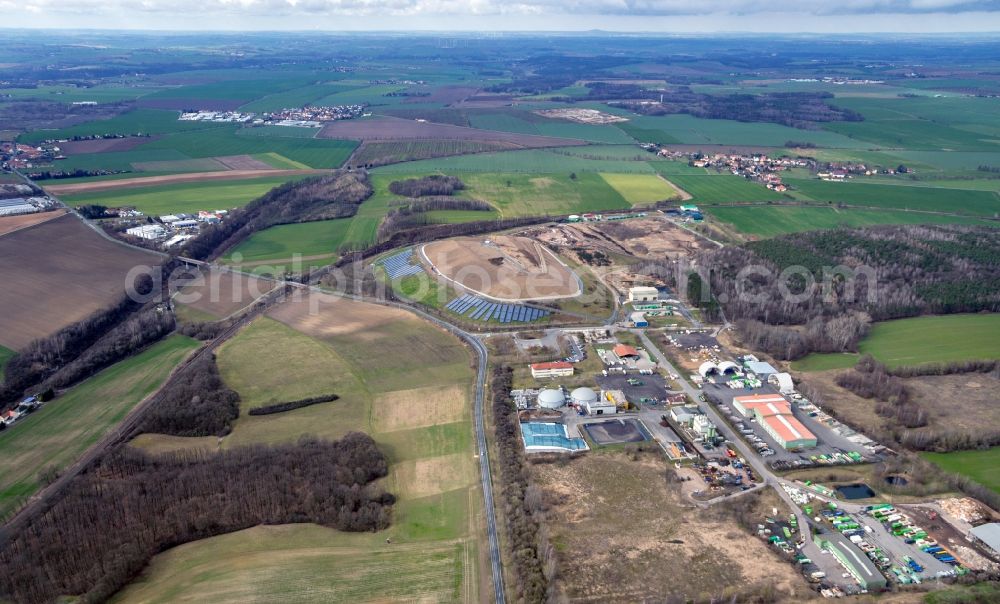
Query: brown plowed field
[
  {"x": 9, "y": 224},
  {"x": 393, "y": 128},
  {"x": 221, "y": 293},
  {"x": 131, "y": 183},
  {"x": 104, "y": 145},
  {"x": 56, "y": 273},
  {"x": 506, "y": 268}
]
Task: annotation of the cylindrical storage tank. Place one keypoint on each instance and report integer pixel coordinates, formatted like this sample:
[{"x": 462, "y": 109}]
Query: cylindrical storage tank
[
  {"x": 584, "y": 395},
  {"x": 550, "y": 398}
]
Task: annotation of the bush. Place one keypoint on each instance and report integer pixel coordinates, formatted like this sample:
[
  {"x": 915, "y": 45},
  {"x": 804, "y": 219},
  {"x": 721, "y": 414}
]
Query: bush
[{"x": 289, "y": 406}]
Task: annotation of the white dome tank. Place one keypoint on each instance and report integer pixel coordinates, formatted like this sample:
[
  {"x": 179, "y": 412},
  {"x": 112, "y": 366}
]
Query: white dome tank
[{"x": 551, "y": 398}]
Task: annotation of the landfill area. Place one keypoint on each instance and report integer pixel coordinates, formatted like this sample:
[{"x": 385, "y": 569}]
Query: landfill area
[{"x": 830, "y": 444}]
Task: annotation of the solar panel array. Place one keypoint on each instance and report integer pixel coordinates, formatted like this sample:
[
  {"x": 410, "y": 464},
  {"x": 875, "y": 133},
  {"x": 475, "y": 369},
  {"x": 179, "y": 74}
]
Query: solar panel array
[
  {"x": 479, "y": 309},
  {"x": 400, "y": 265}
]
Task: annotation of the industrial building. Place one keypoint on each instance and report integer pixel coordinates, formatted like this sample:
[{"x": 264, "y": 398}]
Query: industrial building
[
  {"x": 15, "y": 206},
  {"x": 147, "y": 231},
  {"x": 774, "y": 414},
  {"x": 760, "y": 368},
  {"x": 587, "y": 399},
  {"x": 988, "y": 534},
  {"x": 551, "y": 398},
  {"x": 783, "y": 382},
  {"x": 638, "y": 319},
  {"x": 643, "y": 294},
  {"x": 552, "y": 369},
  {"x": 624, "y": 351},
  {"x": 853, "y": 559},
  {"x": 708, "y": 367}
]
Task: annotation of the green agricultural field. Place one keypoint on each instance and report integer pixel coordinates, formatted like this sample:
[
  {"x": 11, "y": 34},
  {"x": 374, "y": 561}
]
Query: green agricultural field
[
  {"x": 5, "y": 355},
  {"x": 959, "y": 201},
  {"x": 109, "y": 93},
  {"x": 233, "y": 90},
  {"x": 640, "y": 188},
  {"x": 54, "y": 436},
  {"x": 278, "y": 132},
  {"x": 415, "y": 404},
  {"x": 630, "y": 152},
  {"x": 723, "y": 188},
  {"x": 764, "y": 221},
  {"x": 980, "y": 466},
  {"x": 538, "y": 161},
  {"x": 825, "y": 361},
  {"x": 184, "y": 197},
  {"x": 145, "y": 121},
  {"x": 524, "y": 122},
  {"x": 533, "y": 194},
  {"x": 296, "y": 97},
  {"x": 456, "y": 216},
  {"x": 936, "y": 339},
  {"x": 315, "y": 153},
  {"x": 309, "y": 239},
  {"x": 697, "y": 131}
]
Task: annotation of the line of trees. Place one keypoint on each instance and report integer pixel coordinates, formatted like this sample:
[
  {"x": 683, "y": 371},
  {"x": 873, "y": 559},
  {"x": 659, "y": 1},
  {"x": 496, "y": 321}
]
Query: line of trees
[
  {"x": 292, "y": 405},
  {"x": 869, "y": 379},
  {"x": 197, "y": 404},
  {"x": 336, "y": 195},
  {"x": 435, "y": 184},
  {"x": 131, "y": 506},
  {"x": 533, "y": 558}
]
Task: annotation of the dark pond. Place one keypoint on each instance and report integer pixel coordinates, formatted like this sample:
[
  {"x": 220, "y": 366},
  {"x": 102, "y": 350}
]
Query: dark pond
[
  {"x": 855, "y": 491},
  {"x": 899, "y": 481}
]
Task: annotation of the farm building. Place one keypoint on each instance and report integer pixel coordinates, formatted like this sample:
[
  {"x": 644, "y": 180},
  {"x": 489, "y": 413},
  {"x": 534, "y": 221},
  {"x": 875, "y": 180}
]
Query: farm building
[
  {"x": 638, "y": 320},
  {"x": 147, "y": 231},
  {"x": 783, "y": 381},
  {"x": 760, "y": 368},
  {"x": 551, "y": 398},
  {"x": 624, "y": 351},
  {"x": 643, "y": 294},
  {"x": 774, "y": 414},
  {"x": 553, "y": 369},
  {"x": 988, "y": 534},
  {"x": 853, "y": 559}
]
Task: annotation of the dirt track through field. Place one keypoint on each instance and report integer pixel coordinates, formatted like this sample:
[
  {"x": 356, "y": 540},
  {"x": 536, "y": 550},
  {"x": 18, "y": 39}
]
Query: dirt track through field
[{"x": 170, "y": 179}]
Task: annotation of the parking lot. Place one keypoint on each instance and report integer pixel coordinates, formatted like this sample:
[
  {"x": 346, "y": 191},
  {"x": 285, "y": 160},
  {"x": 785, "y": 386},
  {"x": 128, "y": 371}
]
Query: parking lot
[
  {"x": 897, "y": 549},
  {"x": 828, "y": 441}
]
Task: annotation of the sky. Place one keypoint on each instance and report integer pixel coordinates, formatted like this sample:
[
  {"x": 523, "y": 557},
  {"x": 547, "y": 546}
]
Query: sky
[{"x": 663, "y": 16}]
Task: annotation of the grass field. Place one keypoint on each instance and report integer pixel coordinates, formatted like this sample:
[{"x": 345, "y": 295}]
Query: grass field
[
  {"x": 901, "y": 196},
  {"x": 310, "y": 239},
  {"x": 524, "y": 195},
  {"x": 415, "y": 402},
  {"x": 296, "y": 97},
  {"x": 640, "y": 188},
  {"x": 5, "y": 355},
  {"x": 54, "y": 436},
  {"x": 770, "y": 221},
  {"x": 723, "y": 188},
  {"x": 184, "y": 197},
  {"x": 980, "y": 466},
  {"x": 937, "y": 339}
]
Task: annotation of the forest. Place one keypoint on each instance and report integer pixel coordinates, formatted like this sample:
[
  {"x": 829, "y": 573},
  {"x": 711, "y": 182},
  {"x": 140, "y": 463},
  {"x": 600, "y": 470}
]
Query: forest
[
  {"x": 130, "y": 506},
  {"x": 336, "y": 195},
  {"x": 435, "y": 184},
  {"x": 836, "y": 282},
  {"x": 197, "y": 403}
]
